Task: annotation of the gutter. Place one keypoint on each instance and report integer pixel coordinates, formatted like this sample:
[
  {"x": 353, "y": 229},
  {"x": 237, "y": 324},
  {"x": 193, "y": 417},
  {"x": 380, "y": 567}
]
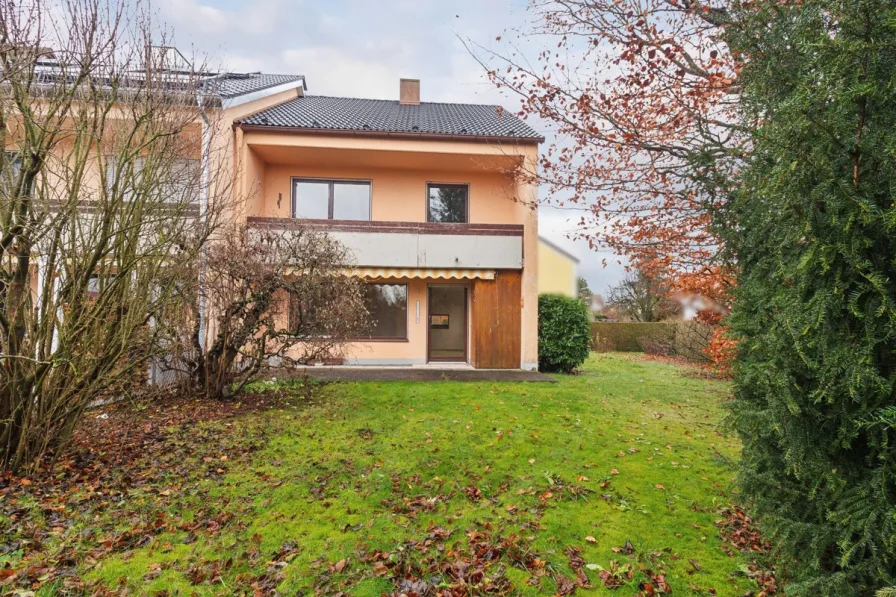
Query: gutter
[
  {"x": 386, "y": 134},
  {"x": 203, "y": 214}
]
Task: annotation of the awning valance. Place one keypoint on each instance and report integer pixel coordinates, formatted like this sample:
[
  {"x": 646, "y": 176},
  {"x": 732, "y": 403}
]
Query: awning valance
[
  {"x": 381, "y": 273},
  {"x": 444, "y": 274}
]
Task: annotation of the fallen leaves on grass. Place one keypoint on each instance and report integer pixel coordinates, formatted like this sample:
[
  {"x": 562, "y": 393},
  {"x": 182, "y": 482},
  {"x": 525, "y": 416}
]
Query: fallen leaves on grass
[
  {"x": 628, "y": 549},
  {"x": 616, "y": 574},
  {"x": 477, "y": 565},
  {"x": 114, "y": 460},
  {"x": 736, "y": 528}
]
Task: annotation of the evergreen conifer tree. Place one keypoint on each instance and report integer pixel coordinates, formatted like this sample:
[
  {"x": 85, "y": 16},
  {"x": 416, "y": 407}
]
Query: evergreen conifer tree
[{"x": 813, "y": 233}]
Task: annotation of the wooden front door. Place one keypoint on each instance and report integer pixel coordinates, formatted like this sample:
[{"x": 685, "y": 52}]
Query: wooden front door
[{"x": 496, "y": 331}]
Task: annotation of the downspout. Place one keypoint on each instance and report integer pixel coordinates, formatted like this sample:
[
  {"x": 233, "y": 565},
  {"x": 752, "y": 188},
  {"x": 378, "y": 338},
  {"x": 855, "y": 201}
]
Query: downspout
[{"x": 203, "y": 215}]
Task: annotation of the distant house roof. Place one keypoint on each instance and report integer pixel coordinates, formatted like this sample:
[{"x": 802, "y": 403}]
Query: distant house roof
[
  {"x": 230, "y": 85},
  {"x": 226, "y": 88},
  {"x": 322, "y": 113},
  {"x": 563, "y": 252}
]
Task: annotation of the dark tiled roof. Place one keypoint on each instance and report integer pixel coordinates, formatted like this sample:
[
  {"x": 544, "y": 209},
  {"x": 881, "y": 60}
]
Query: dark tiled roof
[
  {"x": 235, "y": 84},
  {"x": 386, "y": 116},
  {"x": 220, "y": 85}
]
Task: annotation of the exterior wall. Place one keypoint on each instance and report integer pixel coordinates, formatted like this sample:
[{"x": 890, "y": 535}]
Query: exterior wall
[
  {"x": 527, "y": 194},
  {"x": 557, "y": 271},
  {"x": 399, "y": 170},
  {"x": 410, "y": 351},
  {"x": 397, "y": 194}
]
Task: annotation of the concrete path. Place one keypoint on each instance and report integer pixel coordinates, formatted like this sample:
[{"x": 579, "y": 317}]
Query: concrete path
[{"x": 422, "y": 374}]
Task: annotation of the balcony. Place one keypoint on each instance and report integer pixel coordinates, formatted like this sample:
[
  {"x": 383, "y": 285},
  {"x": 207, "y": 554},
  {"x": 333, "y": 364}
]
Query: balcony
[{"x": 418, "y": 244}]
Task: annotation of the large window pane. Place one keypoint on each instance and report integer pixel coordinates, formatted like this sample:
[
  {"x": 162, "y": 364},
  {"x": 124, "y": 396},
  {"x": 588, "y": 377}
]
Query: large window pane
[
  {"x": 312, "y": 200},
  {"x": 447, "y": 203},
  {"x": 185, "y": 182},
  {"x": 351, "y": 201},
  {"x": 10, "y": 174},
  {"x": 388, "y": 307}
]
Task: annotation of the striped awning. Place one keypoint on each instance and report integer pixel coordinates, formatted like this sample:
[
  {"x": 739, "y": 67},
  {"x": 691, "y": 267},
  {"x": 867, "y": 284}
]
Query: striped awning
[{"x": 374, "y": 273}]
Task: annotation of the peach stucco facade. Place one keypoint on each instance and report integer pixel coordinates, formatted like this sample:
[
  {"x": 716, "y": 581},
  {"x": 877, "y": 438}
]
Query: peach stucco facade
[
  {"x": 251, "y": 169},
  {"x": 398, "y": 171}
]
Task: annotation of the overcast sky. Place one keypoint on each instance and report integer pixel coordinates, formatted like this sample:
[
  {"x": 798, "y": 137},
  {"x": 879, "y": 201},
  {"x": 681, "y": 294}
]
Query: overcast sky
[{"x": 360, "y": 48}]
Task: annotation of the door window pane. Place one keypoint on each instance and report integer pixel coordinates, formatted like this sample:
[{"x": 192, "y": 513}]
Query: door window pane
[
  {"x": 351, "y": 201},
  {"x": 312, "y": 200},
  {"x": 447, "y": 203},
  {"x": 388, "y": 307}
]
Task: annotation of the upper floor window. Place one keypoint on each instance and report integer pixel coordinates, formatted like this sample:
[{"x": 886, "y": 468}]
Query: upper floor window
[
  {"x": 447, "y": 203},
  {"x": 330, "y": 199},
  {"x": 177, "y": 181}
]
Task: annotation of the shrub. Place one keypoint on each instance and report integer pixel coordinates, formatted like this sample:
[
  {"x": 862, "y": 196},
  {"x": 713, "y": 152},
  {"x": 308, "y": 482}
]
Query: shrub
[
  {"x": 688, "y": 339},
  {"x": 625, "y": 336},
  {"x": 692, "y": 339},
  {"x": 564, "y": 333}
]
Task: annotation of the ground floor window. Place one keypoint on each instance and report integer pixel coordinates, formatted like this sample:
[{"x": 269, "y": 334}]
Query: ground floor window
[
  {"x": 388, "y": 307},
  {"x": 386, "y": 303}
]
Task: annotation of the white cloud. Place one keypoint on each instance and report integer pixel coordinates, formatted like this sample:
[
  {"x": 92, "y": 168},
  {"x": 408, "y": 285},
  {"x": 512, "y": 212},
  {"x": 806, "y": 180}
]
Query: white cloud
[
  {"x": 332, "y": 71},
  {"x": 197, "y": 18}
]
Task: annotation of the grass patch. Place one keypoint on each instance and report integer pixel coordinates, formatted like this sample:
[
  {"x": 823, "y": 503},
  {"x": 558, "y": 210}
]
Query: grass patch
[{"x": 601, "y": 483}]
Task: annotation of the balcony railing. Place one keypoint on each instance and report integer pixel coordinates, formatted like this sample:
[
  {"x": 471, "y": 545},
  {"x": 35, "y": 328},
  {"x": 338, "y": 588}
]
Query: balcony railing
[{"x": 418, "y": 244}]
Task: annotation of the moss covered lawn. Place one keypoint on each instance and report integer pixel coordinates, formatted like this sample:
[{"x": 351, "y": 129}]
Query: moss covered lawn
[{"x": 611, "y": 482}]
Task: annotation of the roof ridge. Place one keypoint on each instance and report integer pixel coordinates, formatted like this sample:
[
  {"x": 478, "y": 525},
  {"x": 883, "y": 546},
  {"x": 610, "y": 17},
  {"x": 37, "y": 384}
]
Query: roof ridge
[
  {"x": 261, "y": 74},
  {"x": 388, "y": 116},
  {"x": 374, "y": 99}
]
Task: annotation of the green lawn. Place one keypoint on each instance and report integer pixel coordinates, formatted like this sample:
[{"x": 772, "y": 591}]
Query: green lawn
[{"x": 377, "y": 487}]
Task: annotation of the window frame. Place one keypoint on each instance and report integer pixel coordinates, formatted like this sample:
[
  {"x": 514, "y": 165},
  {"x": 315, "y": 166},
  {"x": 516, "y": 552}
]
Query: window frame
[
  {"x": 291, "y": 324},
  {"x": 331, "y": 194},
  {"x": 452, "y": 185},
  {"x": 407, "y": 312},
  {"x": 14, "y": 157}
]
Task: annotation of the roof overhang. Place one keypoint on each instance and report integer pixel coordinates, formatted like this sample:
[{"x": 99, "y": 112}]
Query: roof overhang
[
  {"x": 559, "y": 249},
  {"x": 299, "y": 85},
  {"x": 387, "y": 134}
]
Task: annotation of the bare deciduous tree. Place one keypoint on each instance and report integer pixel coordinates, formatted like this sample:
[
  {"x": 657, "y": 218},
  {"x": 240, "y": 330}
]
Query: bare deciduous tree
[
  {"x": 99, "y": 198},
  {"x": 642, "y": 297}
]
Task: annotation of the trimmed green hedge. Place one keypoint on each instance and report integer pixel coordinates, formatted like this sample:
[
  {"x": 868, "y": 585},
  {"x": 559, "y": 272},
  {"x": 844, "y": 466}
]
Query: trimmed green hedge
[
  {"x": 564, "y": 338},
  {"x": 682, "y": 338}
]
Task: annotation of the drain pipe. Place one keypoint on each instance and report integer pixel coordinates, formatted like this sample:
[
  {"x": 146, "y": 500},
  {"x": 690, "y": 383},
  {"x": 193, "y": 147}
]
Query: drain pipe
[{"x": 203, "y": 215}]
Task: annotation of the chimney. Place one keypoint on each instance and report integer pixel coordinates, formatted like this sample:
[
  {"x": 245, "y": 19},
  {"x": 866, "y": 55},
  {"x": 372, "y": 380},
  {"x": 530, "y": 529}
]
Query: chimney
[{"x": 409, "y": 92}]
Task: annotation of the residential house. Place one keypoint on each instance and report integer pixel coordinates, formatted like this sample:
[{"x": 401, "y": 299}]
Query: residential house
[
  {"x": 424, "y": 195},
  {"x": 557, "y": 270}
]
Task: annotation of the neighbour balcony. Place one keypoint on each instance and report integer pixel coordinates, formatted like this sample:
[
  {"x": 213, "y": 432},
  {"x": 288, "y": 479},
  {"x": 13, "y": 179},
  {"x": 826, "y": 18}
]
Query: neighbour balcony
[{"x": 418, "y": 244}]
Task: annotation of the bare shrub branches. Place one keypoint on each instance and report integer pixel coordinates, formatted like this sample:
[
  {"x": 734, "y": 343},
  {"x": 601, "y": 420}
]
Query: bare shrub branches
[
  {"x": 99, "y": 185},
  {"x": 276, "y": 298}
]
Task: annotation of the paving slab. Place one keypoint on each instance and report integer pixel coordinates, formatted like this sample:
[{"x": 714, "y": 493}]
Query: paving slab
[{"x": 422, "y": 374}]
